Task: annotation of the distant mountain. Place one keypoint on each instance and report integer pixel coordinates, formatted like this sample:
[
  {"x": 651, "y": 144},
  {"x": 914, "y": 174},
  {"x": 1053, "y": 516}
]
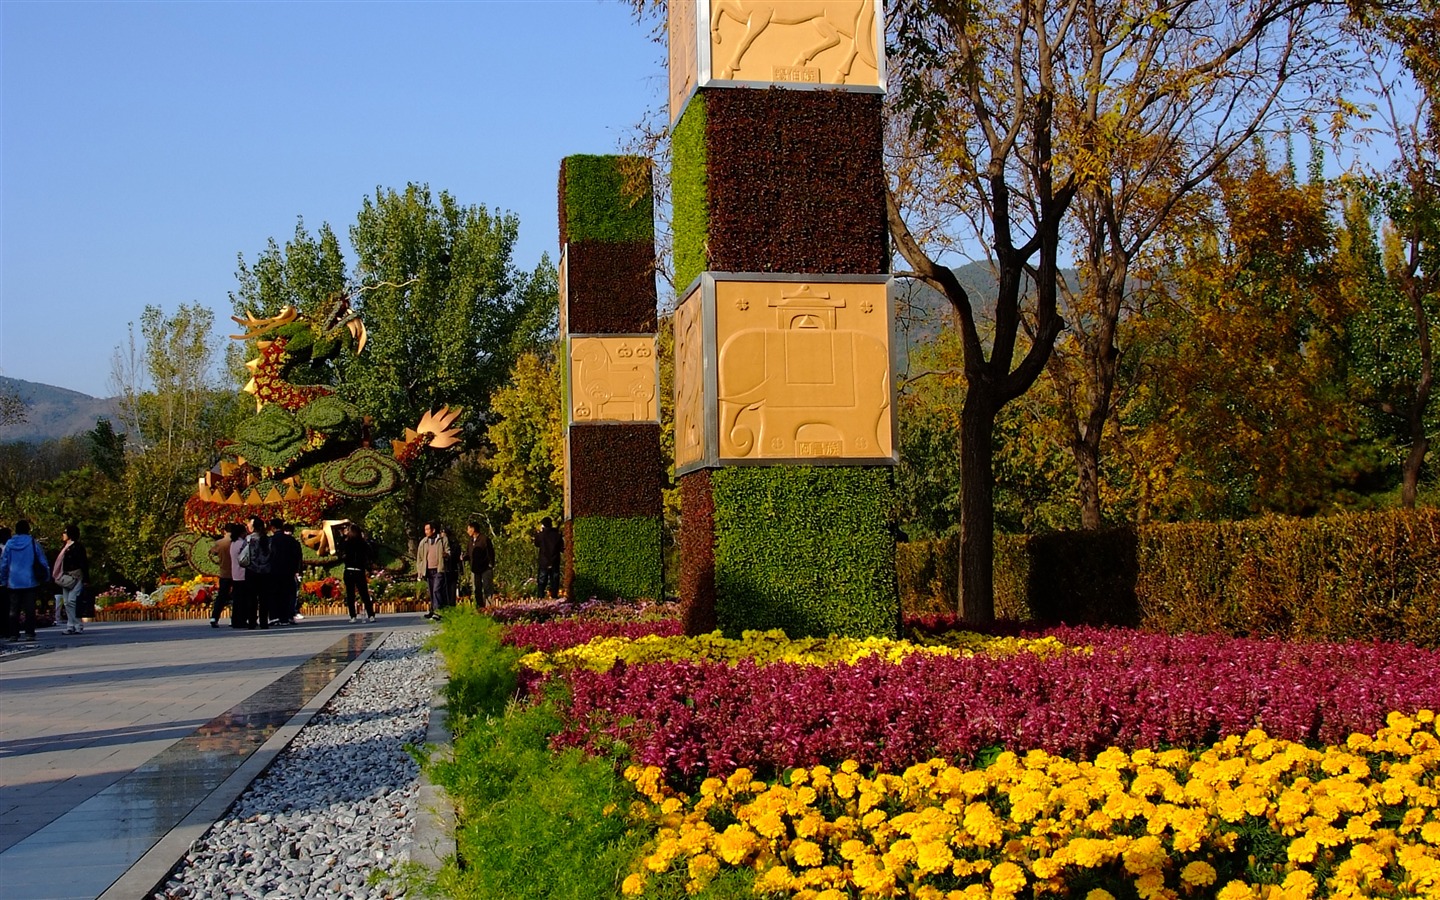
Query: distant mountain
[{"x": 53, "y": 412}]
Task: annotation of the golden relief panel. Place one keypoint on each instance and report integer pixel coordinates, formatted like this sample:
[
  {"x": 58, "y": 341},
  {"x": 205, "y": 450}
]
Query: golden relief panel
[
  {"x": 795, "y": 41},
  {"x": 804, "y": 370},
  {"x": 684, "y": 65},
  {"x": 612, "y": 379},
  {"x": 689, "y": 382}
]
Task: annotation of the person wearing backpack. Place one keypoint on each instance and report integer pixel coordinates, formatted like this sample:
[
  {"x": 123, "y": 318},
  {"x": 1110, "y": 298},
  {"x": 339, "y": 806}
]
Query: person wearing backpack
[
  {"x": 24, "y": 570},
  {"x": 252, "y": 557}
]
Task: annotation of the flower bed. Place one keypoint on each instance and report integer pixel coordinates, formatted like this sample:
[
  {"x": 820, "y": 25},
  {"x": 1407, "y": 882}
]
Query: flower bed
[{"x": 1131, "y": 691}]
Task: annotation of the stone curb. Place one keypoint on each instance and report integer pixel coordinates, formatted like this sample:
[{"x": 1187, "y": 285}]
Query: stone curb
[
  {"x": 434, "y": 836},
  {"x": 151, "y": 871}
]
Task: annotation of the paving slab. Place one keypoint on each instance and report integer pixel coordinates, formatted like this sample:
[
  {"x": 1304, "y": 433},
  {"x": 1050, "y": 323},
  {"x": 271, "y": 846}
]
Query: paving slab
[{"x": 111, "y": 739}]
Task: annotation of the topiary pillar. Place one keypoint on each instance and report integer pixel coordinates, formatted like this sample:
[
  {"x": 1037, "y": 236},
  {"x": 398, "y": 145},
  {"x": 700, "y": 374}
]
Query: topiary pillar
[
  {"x": 785, "y": 430},
  {"x": 614, "y": 471}
]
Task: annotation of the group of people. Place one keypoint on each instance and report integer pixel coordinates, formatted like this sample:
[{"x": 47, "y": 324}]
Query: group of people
[
  {"x": 260, "y": 569},
  {"x": 439, "y": 561},
  {"x": 25, "y": 571}
]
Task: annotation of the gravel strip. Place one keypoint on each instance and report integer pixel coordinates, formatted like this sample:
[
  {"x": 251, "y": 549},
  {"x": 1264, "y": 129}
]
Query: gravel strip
[{"x": 337, "y": 808}]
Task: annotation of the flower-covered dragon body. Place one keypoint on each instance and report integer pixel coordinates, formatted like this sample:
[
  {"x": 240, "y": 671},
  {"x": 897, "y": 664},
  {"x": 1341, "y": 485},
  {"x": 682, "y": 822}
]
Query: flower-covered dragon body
[{"x": 306, "y": 451}]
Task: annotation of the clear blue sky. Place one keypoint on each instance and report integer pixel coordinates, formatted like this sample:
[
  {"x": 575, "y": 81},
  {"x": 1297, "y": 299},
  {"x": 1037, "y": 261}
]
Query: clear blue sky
[{"x": 146, "y": 144}]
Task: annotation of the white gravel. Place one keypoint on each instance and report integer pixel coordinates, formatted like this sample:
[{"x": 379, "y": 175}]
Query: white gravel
[{"x": 336, "y": 809}]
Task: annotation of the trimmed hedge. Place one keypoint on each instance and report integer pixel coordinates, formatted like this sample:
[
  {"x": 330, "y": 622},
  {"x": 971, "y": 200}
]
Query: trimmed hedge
[
  {"x": 615, "y": 470},
  {"x": 594, "y": 203},
  {"x": 807, "y": 549},
  {"x": 697, "y": 552},
  {"x": 1363, "y": 576},
  {"x": 611, "y": 288},
  {"x": 616, "y": 558},
  {"x": 689, "y": 213},
  {"x": 795, "y": 182}
]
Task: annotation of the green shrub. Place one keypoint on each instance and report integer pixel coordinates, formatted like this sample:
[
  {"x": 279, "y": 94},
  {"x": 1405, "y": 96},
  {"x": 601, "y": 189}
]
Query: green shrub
[
  {"x": 808, "y": 549},
  {"x": 1359, "y": 576},
  {"x": 598, "y": 202},
  {"x": 481, "y": 669},
  {"x": 617, "y": 557},
  {"x": 690, "y": 218}
]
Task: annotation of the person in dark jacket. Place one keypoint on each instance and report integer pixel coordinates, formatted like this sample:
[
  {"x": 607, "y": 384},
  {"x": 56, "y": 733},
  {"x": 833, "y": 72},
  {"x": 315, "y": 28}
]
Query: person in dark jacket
[
  {"x": 482, "y": 564},
  {"x": 286, "y": 561},
  {"x": 71, "y": 573},
  {"x": 551, "y": 546},
  {"x": 23, "y": 569},
  {"x": 354, "y": 553}
]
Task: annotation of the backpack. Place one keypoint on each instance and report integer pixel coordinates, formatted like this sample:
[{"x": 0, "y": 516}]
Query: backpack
[{"x": 255, "y": 557}]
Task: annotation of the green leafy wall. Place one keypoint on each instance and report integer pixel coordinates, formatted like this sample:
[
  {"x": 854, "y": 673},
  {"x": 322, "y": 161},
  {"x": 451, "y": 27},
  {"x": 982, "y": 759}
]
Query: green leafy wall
[
  {"x": 595, "y": 204},
  {"x": 808, "y": 549},
  {"x": 687, "y": 193},
  {"x": 616, "y": 558}
]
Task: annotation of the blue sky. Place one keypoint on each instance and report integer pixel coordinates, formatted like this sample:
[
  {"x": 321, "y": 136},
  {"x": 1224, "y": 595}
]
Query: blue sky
[{"x": 146, "y": 144}]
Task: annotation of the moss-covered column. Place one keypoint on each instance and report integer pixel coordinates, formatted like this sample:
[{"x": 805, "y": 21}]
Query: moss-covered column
[
  {"x": 614, "y": 472},
  {"x": 785, "y": 440}
]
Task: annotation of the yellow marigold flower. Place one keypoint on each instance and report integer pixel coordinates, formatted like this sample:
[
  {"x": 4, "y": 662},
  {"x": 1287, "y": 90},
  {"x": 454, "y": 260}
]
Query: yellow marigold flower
[
  {"x": 1150, "y": 885},
  {"x": 708, "y": 788},
  {"x": 767, "y": 824},
  {"x": 844, "y": 784},
  {"x": 982, "y": 824},
  {"x": 1430, "y": 832},
  {"x": 900, "y": 854},
  {"x": 933, "y": 856},
  {"x": 1198, "y": 873},
  {"x": 1144, "y": 854},
  {"x": 1299, "y": 885},
  {"x": 806, "y": 853},
  {"x": 1112, "y": 758},
  {"x": 776, "y": 878},
  {"x": 873, "y": 818},
  {"x": 704, "y": 866},
  {"x": 1099, "y": 894},
  {"x": 1302, "y": 849},
  {"x": 633, "y": 885},
  {"x": 1236, "y": 890},
  {"x": 670, "y": 805},
  {"x": 1008, "y": 877},
  {"x": 734, "y": 844}
]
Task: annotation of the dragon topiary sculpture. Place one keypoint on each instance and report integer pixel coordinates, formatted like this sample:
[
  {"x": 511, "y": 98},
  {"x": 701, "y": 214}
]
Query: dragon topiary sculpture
[{"x": 306, "y": 451}]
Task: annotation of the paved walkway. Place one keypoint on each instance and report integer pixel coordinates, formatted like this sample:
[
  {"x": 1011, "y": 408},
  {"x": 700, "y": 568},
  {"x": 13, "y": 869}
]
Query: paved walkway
[{"x": 120, "y": 745}]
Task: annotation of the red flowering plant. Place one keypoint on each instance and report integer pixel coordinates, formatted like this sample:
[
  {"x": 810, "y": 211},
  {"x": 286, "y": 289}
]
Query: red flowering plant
[{"x": 321, "y": 591}]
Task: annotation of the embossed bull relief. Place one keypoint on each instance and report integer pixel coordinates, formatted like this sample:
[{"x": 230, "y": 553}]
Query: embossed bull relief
[
  {"x": 612, "y": 379},
  {"x": 817, "y": 41},
  {"x": 803, "y": 371}
]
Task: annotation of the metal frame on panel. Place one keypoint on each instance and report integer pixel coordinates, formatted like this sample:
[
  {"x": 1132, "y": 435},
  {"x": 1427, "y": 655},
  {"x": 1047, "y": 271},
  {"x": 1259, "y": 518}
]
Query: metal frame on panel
[
  {"x": 711, "y": 458},
  {"x": 653, "y": 336},
  {"x": 704, "y": 65}
]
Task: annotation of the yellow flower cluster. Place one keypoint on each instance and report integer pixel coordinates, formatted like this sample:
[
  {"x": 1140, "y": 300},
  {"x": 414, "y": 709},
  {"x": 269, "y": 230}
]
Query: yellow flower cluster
[
  {"x": 1354, "y": 821},
  {"x": 767, "y": 647}
]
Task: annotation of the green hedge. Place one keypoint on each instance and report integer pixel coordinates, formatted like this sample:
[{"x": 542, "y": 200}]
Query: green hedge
[
  {"x": 690, "y": 219},
  {"x": 1364, "y": 576},
  {"x": 596, "y": 206},
  {"x": 808, "y": 549},
  {"x": 616, "y": 557}
]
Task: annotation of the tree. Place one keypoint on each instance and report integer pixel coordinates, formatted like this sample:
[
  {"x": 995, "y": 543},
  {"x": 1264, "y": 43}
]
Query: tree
[
  {"x": 307, "y": 274},
  {"x": 1014, "y": 110},
  {"x": 528, "y": 463},
  {"x": 447, "y": 314},
  {"x": 1409, "y": 196},
  {"x": 1242, "y": 405},
  {"x": 13, "y": 408}
]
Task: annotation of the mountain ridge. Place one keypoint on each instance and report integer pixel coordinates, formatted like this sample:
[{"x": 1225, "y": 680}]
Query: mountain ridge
[{"x": 53, "y": 412}]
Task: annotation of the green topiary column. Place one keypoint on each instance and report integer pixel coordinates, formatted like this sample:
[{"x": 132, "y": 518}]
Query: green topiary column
[
  {"x": 781, "y": 242},
  {"x": 614, "y": 471}
]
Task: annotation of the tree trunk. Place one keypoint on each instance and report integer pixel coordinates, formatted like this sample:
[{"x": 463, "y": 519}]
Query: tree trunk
[
  {"x": 976, "y": 603},
  {"x": 1086, "y": 453},
  {"x": 1411, "y": 476}
]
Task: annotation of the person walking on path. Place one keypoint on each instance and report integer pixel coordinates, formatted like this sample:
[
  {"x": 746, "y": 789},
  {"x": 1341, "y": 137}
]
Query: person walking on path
[
  {"x": 286, "y": 561},
  {"x": 431, "y": 559},
  {"x": 24, "y": 569},
  {"x": 354, "y": 555},
  {"x": 550, "y": 544},
  {"x": 453, "y": 563},
  {"x": 482, "y": 564},
  {"x": 71, "y": 572},
  {"x": 220, "y": 553}
]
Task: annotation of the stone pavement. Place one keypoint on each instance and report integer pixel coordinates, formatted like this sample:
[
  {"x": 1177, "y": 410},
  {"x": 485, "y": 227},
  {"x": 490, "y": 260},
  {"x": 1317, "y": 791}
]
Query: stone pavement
[{"x": 120, "y": 745}]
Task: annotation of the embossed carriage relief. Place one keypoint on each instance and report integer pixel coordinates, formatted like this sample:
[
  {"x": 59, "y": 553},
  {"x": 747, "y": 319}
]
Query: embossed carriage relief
[
  {"x": 689, "y": 382},
  {"x": 612, "y": 379},
  {"x": 803, "y": 371},
  {"x": 819, "y": 41}
]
